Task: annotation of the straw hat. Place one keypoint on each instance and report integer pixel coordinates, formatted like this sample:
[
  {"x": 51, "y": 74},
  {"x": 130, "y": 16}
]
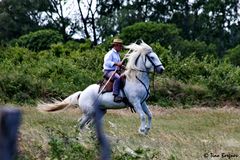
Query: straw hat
[{"x": 117, "y": 40}]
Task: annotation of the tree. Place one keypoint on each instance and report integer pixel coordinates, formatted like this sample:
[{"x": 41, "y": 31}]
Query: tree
[
  {"x": 181, "y": 16},
  {"x": 87, "y": 11},
  {"x": 115, "y": 15},
  {"x": 56, "y": 16},
  {"x": 16, "y": 18},
  {"x": 151, "y": 32},
  {"x": 215, "y": 21},
  {"x": 39, "y": 40}
]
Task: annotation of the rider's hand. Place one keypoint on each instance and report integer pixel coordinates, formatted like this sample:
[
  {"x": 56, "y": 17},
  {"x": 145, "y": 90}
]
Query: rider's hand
[
  {"x": 119, "y": 64},
  {"x": 123, "y": 67}
]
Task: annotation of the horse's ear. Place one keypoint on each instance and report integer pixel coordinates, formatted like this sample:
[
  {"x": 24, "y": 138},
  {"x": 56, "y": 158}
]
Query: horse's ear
[
  {"x": 145, "y": 46},
  {"x": 143, "y": 43},
  {"x": 132, "y": 46},
  {"x": 139, "y": 41}
]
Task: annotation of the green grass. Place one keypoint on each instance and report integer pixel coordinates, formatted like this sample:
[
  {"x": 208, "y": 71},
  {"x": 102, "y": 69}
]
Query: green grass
[{"x": 184, "y": 134}]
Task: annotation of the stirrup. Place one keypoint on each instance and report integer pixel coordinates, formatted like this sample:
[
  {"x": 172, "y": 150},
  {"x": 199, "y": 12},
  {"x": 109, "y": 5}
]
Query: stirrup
[{"x": 117, "y": 99}]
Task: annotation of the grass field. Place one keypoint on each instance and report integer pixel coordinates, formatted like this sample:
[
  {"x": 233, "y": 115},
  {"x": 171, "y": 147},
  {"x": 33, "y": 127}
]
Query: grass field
[{"x": 184, "y": 134}]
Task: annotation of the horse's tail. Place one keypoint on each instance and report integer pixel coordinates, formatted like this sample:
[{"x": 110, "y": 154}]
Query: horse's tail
[{"x": 57, "y": 105}]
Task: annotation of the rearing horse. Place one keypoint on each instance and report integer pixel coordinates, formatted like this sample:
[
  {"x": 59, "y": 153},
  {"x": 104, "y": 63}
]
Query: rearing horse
[{"x": 141, "y": 61}]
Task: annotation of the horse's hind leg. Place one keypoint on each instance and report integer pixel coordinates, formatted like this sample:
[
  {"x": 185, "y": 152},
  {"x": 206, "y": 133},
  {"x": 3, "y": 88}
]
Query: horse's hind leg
[{"x": 84, "y": 120}]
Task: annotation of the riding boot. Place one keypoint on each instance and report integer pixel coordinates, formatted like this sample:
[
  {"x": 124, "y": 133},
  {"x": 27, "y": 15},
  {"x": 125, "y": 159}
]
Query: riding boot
[{"x": 116, "y": 86}]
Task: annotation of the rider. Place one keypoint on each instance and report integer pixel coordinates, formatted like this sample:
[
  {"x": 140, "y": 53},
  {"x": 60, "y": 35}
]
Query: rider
[{"x": 112, "y": 63}]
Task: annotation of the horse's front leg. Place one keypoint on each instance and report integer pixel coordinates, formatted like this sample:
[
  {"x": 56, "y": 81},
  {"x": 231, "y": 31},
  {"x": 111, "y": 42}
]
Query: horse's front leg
[
  {"x": 149, "y": 114},
  {"x": 139, "y": 110}
]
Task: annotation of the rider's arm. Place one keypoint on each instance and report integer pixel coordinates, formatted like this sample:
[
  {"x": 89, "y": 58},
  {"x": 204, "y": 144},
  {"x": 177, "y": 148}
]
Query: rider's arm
[{"x": 108, "y": 62}]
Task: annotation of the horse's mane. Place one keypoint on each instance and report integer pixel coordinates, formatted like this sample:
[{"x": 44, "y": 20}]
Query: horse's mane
[{"x": 136, "y": 52}]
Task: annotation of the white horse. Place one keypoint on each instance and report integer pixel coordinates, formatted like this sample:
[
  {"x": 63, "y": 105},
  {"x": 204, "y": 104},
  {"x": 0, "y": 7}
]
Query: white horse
[{"x": 141, "y": 61}]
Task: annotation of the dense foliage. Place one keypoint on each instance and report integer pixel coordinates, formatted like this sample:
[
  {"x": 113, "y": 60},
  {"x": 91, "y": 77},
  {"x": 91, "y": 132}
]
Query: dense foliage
[
  {"x": 192, "y": 75},
  {"x": 233, "y": 55},
  {"x": 168, "y": 35},
  {"x": 39, "y": 40},
  {"x": 198, "y": 42},
  {"x": 27, "y": 75},
  {"x": 151, "y": 32},
  {"x": 210, "y": 21}
]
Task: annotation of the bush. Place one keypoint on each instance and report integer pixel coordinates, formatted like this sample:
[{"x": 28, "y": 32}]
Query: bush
[
  {"x": 233, "y": 55},
  {"x": 19, "y": 88},
  {"x": 69, "y": 47},
  {"x": 168, "y": 36},
  {"x": 170, "y": 93},
  {"x": 26, "y": 76},
  {"x": 150, "y": 32},
  {"x": 90, "y": 59},
  {"x": 224, "y": 81},
  {"x": 62, "y": 146},
  {"x": 195, "y": 80},
  {"x": 39, "y": 40},
  {"x": 186, "y": 48}
]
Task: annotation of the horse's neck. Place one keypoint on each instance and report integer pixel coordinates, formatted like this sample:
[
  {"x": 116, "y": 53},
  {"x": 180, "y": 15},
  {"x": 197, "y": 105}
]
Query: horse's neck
[
  {"x": 138, "y": 73},
  {"x": 142, "y": 73},
  {"x": 137, "y": 76},
  {"x": 143, "y": 77},
  {"x": 140, "y": 64}
]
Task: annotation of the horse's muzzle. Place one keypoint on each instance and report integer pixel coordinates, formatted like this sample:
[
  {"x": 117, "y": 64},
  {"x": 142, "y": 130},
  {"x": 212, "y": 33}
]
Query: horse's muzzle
[{"x": 159, "y": 69}]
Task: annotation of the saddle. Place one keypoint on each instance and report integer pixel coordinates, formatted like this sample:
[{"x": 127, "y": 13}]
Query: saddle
[{"x": 108, "y": 87}]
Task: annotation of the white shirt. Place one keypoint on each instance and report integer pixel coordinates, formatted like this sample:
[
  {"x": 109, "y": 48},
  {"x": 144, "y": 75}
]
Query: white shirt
[{"x": 110, "y": 58}]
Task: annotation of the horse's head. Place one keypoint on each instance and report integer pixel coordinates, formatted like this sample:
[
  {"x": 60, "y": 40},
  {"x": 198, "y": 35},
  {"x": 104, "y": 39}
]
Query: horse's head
[
  {"x": 153, "y": 62},
  {"x": 143, "y": 59}
]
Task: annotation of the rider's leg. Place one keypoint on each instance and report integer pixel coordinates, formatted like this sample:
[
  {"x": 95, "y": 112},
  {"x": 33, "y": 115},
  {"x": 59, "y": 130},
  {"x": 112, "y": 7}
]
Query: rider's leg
[
  {"x": 116, "y": 85},
  {"x": 116, "y": 88}
]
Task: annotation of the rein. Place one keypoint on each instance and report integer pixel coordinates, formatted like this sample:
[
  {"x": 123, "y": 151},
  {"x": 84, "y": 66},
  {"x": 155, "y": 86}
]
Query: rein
[
  {"x": 147, "y": 89},
  {"x": 136, "y": 65},
  {"x": 146, "y": 71}
]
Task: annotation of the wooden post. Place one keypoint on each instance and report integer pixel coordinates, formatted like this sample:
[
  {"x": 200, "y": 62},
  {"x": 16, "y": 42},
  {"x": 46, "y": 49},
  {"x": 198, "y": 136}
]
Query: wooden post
[{"x": 9, "y": 122}]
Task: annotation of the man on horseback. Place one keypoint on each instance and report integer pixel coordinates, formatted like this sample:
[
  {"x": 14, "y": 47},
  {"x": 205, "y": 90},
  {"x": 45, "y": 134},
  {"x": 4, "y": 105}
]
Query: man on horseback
[{"x": 111, "y": 66}]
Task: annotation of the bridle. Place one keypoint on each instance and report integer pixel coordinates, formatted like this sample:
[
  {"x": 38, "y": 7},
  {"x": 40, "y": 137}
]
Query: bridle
[{"x": 147, "y": 57}]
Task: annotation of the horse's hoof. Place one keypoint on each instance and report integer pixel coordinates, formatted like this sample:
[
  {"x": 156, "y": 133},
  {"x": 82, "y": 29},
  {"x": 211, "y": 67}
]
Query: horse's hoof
[
  {"x": 147, "y": 130},
  {"x": 142, "y": 131}
]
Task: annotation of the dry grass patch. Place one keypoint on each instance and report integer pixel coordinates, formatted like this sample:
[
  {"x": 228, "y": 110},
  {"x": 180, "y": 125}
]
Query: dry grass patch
[{"x": 175, "y": 134}]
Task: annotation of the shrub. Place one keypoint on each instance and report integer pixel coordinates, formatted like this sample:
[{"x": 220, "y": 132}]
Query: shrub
[
  {"x": 233, "y": 55},
  {"x": 19, "y": 88},
  {"x": 39, "y": 40},
  {"x": 89, "y": 59},
  {"x": 170, "y": 92},
  {"x": 195, "y": 80},
  {"x": 66, "y": 68},
  {"x": 26, "y": 76},
  {"x": 69, "y": 47},
  {"x": 150, "y": 32},
  {"x": 186, "y": 48},
  {"x": 62, "y": 146},
  {"x": 80, "y": 46},
  {"x": 224, "y": 81}
]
